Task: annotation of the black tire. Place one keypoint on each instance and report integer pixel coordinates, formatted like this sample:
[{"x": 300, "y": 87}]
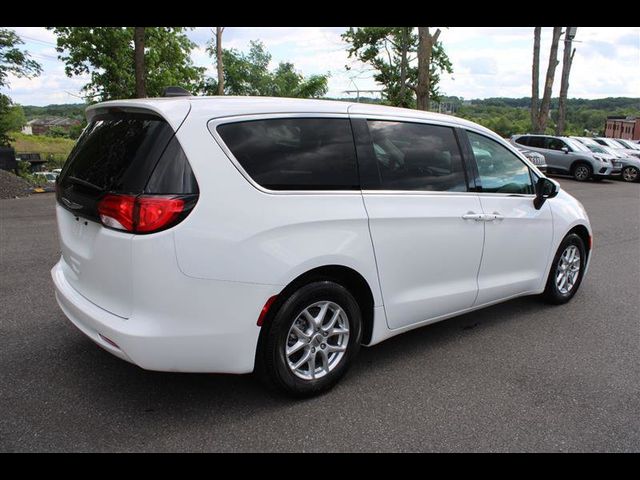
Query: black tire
[
  {"x": 582, "y": 172},
  {"x": 552, "y": 293},
  {"x": 630, "y": 174},
  {"x": 272, "y": 366}
]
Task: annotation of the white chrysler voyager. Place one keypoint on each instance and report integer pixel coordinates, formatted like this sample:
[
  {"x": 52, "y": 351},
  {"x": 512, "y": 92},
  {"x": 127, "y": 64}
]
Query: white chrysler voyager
[{"x": 233, "y": 234}]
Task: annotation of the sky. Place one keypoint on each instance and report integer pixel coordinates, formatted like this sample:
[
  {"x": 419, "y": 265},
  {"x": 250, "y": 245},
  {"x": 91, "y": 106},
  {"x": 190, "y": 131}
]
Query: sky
[{"x": 487, "y": 61}]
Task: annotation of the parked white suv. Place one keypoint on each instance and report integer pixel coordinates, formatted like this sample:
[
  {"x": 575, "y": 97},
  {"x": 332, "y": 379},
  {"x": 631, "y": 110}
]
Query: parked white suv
[{"x": 227, "y": 234}]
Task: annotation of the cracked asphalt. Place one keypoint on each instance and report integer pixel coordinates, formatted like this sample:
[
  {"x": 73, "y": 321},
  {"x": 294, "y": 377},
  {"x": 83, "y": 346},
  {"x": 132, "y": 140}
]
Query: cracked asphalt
[{"x": 520, "y": 376}]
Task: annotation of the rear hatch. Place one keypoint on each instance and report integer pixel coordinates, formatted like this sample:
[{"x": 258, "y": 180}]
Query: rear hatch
[{"x": 124, "y": 155}]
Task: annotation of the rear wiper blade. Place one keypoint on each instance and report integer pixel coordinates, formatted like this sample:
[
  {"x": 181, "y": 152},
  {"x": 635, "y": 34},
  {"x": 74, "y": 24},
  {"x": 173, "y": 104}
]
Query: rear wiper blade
[{"x": 84, "y": 183}]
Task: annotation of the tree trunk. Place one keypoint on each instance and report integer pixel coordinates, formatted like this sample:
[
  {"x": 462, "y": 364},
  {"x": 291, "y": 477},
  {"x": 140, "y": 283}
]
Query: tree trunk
[
  {"x": 426, "y": 41},
  {"x": 138, "y": 42},
  {"x": 548, "y": 84},
  {"x": 219, "y": 65},
  {"x": 403, "y": 67},
  {"x": 567, "y": 60},
  {"x": 535, "y": 78}
]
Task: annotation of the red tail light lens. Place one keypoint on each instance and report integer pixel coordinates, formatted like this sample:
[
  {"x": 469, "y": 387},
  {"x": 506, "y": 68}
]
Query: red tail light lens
[
  {"x": 116, "y": 211},
  {"x": 157, "y": 212},
  {"x": 140, "y": 214}
]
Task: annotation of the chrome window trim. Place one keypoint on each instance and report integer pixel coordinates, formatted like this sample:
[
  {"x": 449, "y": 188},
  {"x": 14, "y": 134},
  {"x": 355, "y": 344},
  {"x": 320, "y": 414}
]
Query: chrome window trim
[
  {"x": 445, "y": 193},
  {"x": 213, "y": 123}
]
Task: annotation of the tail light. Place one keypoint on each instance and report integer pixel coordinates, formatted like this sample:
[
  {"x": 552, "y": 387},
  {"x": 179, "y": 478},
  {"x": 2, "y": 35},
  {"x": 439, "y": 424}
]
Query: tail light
[{"x": 144, "y": 213}]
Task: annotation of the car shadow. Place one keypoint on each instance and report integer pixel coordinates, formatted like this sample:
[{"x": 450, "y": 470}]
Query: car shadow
[{"x": 106, "y": 380}]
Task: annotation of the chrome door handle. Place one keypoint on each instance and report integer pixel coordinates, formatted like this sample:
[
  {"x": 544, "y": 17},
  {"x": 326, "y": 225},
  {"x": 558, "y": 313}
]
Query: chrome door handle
[{"x": 473, "y": 216}]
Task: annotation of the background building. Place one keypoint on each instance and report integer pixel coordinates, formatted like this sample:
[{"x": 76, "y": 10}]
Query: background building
[{"x": 627, "y": 128}]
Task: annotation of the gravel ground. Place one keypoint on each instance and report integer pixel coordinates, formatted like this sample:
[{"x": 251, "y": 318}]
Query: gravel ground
[{"x": 12, "y": 186}]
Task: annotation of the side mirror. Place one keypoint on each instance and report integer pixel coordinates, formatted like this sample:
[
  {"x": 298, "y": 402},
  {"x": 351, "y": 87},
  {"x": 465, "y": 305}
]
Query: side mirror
[
  {"x": 545, "y": 188},
  {"x": 565, "y": 149}
]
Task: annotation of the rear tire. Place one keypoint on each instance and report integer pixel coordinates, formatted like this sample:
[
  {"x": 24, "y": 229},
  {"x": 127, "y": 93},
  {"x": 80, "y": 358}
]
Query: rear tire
[
  {"x": 301, "y": 330},
  {"x": 564, "y": 280},
  {"x": 582, "y": 172},
  {"x": 630, "y": 174}
]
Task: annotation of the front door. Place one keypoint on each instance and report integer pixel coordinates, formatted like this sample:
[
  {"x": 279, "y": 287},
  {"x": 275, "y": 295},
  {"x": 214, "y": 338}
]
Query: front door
[{"x": 517, "y": 236}]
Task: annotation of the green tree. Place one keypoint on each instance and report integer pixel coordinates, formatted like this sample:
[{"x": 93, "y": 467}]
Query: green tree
[
  {"x": 249, "y": 74},
  {"x": 107, "y": 54},
  {"x": 14, "y": 60},
  {"x": 392, "y": 52}
]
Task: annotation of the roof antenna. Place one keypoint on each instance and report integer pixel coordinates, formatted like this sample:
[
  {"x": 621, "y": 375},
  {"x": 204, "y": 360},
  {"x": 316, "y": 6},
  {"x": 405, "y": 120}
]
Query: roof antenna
[{"x": 175, "y": 92}]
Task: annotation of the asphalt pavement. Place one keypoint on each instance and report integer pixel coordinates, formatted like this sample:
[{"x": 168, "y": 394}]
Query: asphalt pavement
[{"x": 520, "y": 376}]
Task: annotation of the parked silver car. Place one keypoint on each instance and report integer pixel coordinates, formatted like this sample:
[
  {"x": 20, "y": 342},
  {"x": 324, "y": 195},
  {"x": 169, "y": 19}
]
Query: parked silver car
[
  {"x": 625, "y": 165},
  {"x": 613, "y": 143},
  {"x": 567, "y": 156},
  {"x": 536, "y": 158}
]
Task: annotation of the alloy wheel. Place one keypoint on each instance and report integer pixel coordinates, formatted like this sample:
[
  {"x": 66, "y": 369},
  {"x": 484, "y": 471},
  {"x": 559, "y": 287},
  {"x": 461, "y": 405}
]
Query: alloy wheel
[
  {"x": 581, "y": 172},
  {"x": 317, "y": 340},
  {"x": 568, "y": 269},
  {"x": 629, "y": 174}
]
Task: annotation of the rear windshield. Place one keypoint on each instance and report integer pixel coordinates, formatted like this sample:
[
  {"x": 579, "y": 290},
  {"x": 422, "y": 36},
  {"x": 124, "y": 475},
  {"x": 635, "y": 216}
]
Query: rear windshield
[
  {"x": 117, "y": 152},
  {"x": 124, "y": 152}
]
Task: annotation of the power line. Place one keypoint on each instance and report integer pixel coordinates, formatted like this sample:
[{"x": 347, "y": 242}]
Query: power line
[{"x": 38, "y": 40}]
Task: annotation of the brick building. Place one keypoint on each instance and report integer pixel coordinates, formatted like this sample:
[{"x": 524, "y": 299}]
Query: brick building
[{"x": 627, "y": 128}]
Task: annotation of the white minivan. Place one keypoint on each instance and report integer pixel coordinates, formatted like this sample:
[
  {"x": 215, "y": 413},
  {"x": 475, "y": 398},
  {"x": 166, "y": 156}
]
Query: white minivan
[{"x": 233, "y": 234}]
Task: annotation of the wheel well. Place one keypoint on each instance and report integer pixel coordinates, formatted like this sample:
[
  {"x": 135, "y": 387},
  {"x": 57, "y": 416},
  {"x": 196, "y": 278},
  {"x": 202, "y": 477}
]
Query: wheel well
[
  {"x": 345, "y": 276},
  {"x": 583, "y": 233},
  {"x": 580, "y": 162}
]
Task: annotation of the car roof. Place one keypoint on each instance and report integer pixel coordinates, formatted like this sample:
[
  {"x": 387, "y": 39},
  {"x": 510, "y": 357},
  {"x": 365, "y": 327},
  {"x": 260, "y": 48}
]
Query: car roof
[{"x": 176, "y": 108}]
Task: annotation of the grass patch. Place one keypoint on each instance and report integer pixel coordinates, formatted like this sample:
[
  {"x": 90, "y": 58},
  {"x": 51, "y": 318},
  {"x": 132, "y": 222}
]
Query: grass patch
[
  {"x": 53, "y": 149},
  {"x": 41, "y": 144}
]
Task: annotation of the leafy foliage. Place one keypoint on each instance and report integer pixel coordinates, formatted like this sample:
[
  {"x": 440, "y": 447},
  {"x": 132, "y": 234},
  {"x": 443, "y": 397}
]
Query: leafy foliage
[
  {"x": 510, "y": 116},
  {"x": 383, "y": 47},
  {"x": 11, "y": 119},
  {"x": 107, "y": 54},
  {"x": 249, "y": 74},
  {"x": 14, "y": 60}
]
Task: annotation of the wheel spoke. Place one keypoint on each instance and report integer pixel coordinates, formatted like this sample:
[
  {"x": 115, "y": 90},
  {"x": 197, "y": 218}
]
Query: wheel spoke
[
  {"x": 332, "y": 322},
  {"x": 325, "y": 360},
  {"x": 304, "y": 359},
  {"x": 295, "y": 347},
  {"x": 299, "y": 333},
  {"x": 337, "y": 331},
  {"x": 320, "y": 317},
  {"x": 312, "y": 365},
  {"x": 336, "y": 348}
]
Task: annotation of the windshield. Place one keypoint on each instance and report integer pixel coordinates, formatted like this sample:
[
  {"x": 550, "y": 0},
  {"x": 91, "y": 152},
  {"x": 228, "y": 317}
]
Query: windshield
[
  {"x": 627, "y": 144},
  {"x": 597, "y": 148},
  {"x": 612, "y": 143},
  {"x": 575, "y": 145}
]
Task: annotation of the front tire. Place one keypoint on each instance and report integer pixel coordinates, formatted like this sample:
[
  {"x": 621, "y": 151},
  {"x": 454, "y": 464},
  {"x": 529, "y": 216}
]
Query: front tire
[
  {"x": 566, "y": 271},
  {"x": 312, "y": 340},
  {"x": 582, "y": 172},
  {"x": 630, "y": 174}
]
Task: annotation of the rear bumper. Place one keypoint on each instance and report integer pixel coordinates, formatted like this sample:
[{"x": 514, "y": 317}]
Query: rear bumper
[{"x": 184, "y": 344}]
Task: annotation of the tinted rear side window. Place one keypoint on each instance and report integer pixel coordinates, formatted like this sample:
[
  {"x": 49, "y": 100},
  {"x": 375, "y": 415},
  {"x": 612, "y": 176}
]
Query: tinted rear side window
[
  {"x": 295, "y": 153},
  {"x": 537, "y": 142},
  {"x": 522, "y": 140},
  {"x": 415, "y": 156}
]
